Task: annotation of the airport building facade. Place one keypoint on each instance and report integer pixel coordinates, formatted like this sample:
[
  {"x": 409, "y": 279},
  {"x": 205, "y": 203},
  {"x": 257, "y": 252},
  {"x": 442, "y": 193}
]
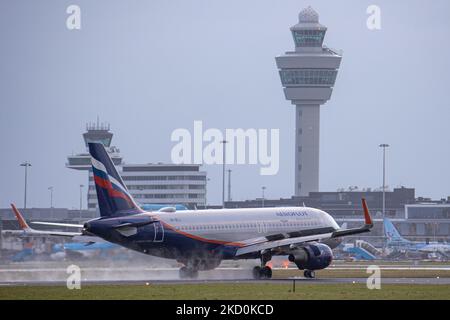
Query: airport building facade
[{"x": 160, "y": 183}]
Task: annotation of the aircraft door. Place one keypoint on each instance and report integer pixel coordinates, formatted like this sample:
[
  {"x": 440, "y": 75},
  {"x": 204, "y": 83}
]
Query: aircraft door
[{"x": 159, "y": 232}]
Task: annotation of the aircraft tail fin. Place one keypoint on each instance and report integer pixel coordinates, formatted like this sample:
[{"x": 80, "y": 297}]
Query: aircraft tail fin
[
  {"x": 112, "y": 193},
  {"x": 391, "y": 232},
  {"x": 22, "y": 222}
]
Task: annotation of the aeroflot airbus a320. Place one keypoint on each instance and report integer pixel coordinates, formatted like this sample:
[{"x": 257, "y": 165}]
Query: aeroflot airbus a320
[{"x": 201, "y": 239}]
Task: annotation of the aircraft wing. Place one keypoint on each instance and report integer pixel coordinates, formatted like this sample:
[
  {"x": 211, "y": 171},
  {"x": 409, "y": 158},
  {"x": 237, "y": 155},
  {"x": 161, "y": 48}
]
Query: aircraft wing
[
  {"x": 281, "y": 243},
  {"x": 298, "y": 241}
]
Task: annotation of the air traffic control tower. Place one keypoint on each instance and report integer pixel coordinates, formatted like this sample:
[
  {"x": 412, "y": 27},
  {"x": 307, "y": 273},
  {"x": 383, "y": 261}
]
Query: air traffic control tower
[
  {"x": 307, "y": 76},
  {"x": 95, "y": 132}
]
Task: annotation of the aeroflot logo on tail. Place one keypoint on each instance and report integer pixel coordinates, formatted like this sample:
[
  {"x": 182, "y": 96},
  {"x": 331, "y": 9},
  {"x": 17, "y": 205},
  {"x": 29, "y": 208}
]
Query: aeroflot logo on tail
[{"x": 237, "y": 146}]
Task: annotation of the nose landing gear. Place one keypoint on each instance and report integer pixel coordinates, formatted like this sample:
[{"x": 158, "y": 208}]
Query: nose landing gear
[{"x": 309, "y": 274}]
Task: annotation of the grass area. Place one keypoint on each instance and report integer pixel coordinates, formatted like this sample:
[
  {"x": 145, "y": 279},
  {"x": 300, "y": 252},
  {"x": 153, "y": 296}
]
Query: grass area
[
  {"x": 361, "y": 273},
  {"x": 228, "y": 291}
]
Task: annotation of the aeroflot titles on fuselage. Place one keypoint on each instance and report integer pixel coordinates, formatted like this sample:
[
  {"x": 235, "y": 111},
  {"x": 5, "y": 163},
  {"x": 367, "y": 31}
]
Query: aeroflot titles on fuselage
[{"x": 292, "y": 213}]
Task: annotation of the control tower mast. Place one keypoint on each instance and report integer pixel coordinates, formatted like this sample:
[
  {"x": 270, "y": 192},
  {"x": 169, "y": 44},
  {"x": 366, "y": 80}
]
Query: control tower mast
[{"x": 308, "y": 75}]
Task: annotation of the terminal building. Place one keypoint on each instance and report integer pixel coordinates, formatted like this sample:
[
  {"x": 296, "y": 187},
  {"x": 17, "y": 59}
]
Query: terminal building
[{"x": 161, "y": 183}]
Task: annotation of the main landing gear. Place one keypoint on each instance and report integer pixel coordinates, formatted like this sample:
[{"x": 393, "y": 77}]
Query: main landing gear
[
  {"x": 263, "y": 271},
  {"x": 309, "y": 274},
  {"x": 188, "y": 273}
]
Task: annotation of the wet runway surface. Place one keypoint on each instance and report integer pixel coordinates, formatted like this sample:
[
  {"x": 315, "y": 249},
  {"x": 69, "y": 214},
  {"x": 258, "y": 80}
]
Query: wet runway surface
[{"x": 16, "y": 276}]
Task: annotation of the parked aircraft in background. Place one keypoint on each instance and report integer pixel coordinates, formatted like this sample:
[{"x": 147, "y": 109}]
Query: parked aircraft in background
[{"x": 396, "y": 242}]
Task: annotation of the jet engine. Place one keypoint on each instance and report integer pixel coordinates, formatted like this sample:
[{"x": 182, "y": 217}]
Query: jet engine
[{"x": 312, "y": 257}]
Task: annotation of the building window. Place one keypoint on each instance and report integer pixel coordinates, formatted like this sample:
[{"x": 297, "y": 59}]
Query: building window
[
  {"x": 308, "y": 77},
  {"x": 308, "y": 38},
  {"x": 163, "y": 178}
]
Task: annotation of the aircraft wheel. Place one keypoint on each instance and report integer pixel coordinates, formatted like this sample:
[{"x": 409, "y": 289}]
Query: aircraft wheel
[
  {"x": 309, "y": 274},
  {"x": 186, "y": 273},
  {"x": 266, "y": 272},
  {"x": 194, "y": 274},
  {"x": 257, "y": 272},
  {"x": 183, "y": 273}
]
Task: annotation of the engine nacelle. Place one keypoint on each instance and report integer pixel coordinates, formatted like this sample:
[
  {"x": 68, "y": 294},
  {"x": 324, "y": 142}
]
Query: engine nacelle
[{"x": 312, "y": 257}]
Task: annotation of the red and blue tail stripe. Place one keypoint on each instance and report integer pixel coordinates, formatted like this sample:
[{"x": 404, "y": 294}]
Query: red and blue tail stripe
[{"x": 112, "y": 194}]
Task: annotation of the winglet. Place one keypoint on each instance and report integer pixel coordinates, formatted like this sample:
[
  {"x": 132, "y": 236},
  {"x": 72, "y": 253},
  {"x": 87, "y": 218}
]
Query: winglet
[
  {"x": 367, "y": 217},
  {"x": 22, "y": 223},
  {"x": 368, "y": 224}
]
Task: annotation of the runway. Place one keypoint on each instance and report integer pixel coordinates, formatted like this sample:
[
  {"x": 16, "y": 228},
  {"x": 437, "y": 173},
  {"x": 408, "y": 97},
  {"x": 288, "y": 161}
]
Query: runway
[
  {"x": 23, "y": 276},
  {"x": 298, "y": 281}
]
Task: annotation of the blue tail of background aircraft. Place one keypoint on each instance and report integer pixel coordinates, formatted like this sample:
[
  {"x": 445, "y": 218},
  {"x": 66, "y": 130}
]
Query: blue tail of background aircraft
[
  {"x": 113, "y": 196},
  {"x": 391, "y": 232}
]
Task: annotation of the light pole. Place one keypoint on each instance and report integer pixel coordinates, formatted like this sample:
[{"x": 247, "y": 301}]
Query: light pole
[
  {"x": 81, "y": 196},
  {"x": 206, "y": 191},
  {"x": 25, "y": 164},
  {"x": 384, "y": 146},
  {"x": 223, "y": 172},
  {"x": 51, "y": 196},
  {"x": 263, "y": 189},
  {"x": 229, "y": 184}
]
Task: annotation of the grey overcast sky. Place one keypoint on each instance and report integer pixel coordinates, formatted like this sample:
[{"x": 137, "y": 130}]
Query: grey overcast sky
[{"x": 149, "y": 67}]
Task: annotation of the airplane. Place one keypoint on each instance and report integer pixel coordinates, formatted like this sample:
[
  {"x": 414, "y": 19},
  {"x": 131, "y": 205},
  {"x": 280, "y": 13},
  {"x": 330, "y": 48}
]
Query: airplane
[
  {"x": 398, "y": 243},
  {"x": 79, "y": 250},
  {"x": 201, "y": 239}
]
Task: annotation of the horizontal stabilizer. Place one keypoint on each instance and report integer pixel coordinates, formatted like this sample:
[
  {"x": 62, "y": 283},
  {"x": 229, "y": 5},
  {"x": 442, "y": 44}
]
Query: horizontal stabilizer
[{"x": 56, "y": 224}]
